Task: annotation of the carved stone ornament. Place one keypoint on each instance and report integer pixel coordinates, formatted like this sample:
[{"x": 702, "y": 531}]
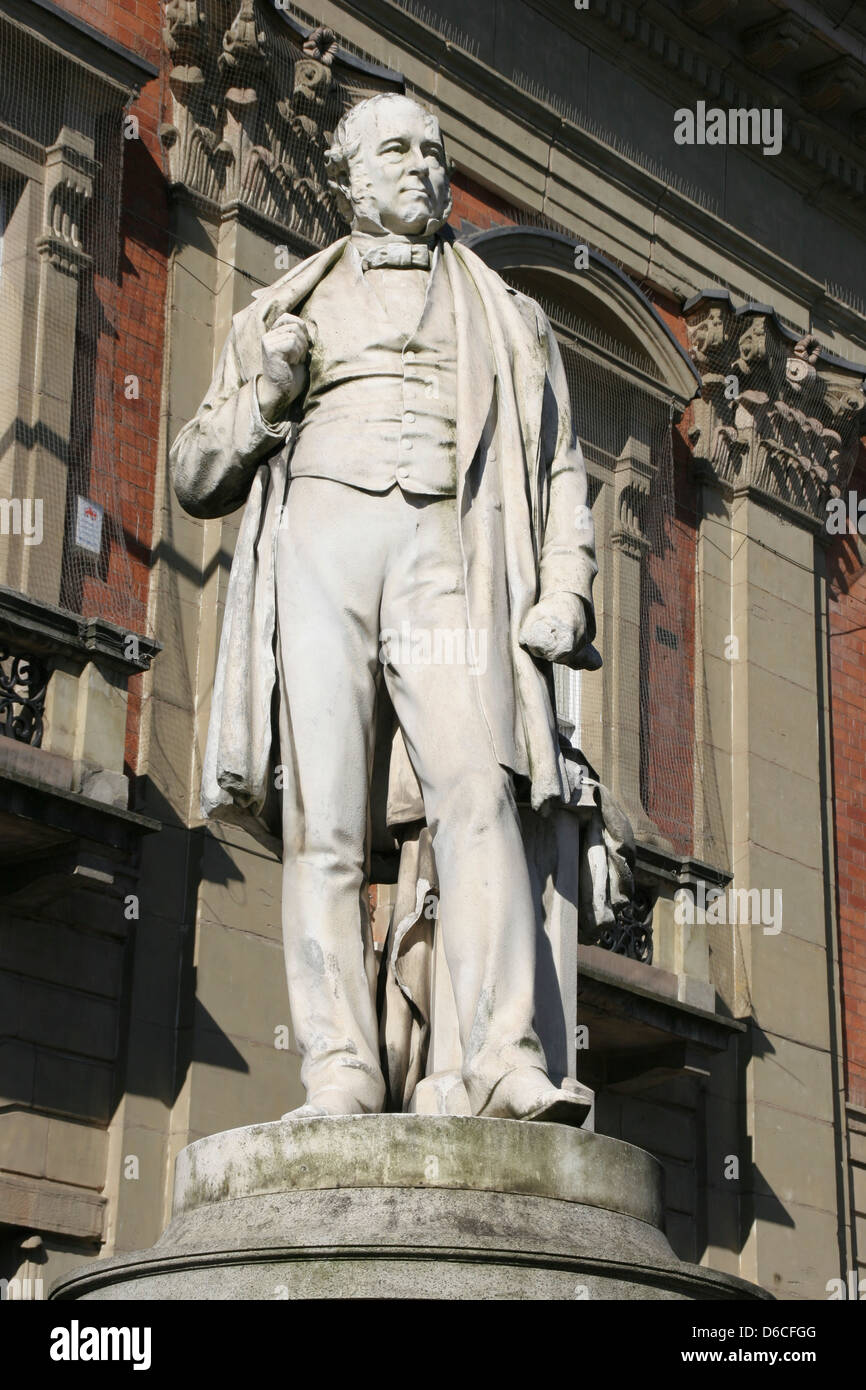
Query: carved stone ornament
[
  {"x": 633, "y": 480},
  {"x": 777, "y": 414},
  {"x": 70, "y": 170},
  {"x": 253, "y": 106}
]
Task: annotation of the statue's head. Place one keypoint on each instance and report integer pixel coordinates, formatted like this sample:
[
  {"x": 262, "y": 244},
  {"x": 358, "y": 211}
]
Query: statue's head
[{"x": 388, "y": 169}]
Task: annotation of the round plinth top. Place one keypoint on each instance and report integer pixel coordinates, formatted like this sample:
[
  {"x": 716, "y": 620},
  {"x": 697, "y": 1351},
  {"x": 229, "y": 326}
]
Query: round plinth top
[{"x": 394, "y": 1151}]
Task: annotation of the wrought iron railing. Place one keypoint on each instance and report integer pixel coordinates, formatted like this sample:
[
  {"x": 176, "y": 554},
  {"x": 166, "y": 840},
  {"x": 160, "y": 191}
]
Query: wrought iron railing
[
  {"x": 23, "y": 686},
  {"x": 631, "y": 934}
]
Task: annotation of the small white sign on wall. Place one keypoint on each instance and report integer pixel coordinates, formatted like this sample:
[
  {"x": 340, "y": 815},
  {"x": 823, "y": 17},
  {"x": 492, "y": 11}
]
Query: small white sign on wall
[{"x": 88, "y": 525}]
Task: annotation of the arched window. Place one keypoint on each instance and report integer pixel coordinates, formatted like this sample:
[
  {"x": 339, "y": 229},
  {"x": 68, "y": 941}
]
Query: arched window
[{"x": 630, "y": 380}]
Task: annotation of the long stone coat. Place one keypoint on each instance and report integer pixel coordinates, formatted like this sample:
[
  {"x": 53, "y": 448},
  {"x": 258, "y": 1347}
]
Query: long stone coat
[{"x": 525, "y": 531}]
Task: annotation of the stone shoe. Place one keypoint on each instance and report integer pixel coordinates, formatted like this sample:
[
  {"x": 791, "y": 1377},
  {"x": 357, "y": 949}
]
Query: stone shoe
[
  {"x": 529, "y": 1094},
  {"x": 330, "y": 1101}
]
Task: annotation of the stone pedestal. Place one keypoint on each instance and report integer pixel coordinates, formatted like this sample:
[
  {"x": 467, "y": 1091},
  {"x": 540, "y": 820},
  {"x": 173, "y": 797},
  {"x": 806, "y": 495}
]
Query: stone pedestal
[{"x": 409, "y": 1206}]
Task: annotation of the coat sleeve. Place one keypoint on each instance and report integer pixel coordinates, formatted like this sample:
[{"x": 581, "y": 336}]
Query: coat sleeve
[
  {"x": 567, "y": 562},
  {"x": 214, "y": 457}
]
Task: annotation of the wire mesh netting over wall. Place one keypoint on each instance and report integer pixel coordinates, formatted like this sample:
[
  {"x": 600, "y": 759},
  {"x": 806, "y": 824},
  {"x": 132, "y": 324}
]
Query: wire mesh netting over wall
[{"x": 68, "y": 541}]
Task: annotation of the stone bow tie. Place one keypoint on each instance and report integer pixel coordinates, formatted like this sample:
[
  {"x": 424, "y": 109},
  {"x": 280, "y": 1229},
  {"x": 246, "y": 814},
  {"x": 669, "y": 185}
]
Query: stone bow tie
[{"x": 405, "y": 255}]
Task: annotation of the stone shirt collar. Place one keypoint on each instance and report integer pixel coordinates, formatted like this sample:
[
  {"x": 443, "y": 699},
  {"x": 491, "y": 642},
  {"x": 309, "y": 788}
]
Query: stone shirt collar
[{"x": 362, "y": 242}]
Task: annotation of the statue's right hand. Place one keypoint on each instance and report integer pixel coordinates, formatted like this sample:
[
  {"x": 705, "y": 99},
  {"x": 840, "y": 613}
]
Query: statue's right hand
[{"x": 284, "y": 354}]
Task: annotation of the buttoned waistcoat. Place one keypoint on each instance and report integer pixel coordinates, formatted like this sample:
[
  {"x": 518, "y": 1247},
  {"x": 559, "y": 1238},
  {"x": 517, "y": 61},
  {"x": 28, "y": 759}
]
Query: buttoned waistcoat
[{"x": 381, "y": 404}]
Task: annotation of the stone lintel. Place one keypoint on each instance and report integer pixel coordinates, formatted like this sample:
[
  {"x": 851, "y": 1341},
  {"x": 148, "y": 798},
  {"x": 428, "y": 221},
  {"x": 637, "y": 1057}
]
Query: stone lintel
[
  {"x": 45, "y": 1206},
  {"x": 35, "y": 817}
]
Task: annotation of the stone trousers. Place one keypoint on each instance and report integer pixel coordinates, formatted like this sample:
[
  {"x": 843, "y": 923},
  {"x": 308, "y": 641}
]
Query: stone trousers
[{"x": 369, "y": 587}]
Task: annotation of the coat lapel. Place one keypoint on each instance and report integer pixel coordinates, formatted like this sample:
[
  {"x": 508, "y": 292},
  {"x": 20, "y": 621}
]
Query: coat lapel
[
  {"x": 475, "y": 373},
  {"x": 296, "y": 284},
  {"x": 526, "y": 363}
]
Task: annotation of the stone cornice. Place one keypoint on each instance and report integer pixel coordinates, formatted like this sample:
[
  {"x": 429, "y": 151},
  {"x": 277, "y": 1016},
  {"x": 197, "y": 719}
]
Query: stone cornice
[
  {"x": 662, "y": 51},
  {"x": 422, "y": 42},
  {"x": 660, "y": 60},
  {"x": 19, "y": 152},
  {"x": 40, "y": 627},
  {"x": 542, "y": 120},
  {"x": 77, "y": 818},
  {"x": 350, "y": 60}
]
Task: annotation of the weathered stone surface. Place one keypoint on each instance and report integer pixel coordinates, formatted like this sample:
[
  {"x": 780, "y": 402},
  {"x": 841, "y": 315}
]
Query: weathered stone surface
[{"x": 390, "y": 1206}]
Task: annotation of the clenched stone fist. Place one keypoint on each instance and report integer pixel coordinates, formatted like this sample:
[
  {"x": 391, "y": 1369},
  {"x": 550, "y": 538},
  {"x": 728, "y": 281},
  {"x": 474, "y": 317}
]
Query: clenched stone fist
[
  {"x": 284, "y": 354},
  {"x": 555, "y": 629}
]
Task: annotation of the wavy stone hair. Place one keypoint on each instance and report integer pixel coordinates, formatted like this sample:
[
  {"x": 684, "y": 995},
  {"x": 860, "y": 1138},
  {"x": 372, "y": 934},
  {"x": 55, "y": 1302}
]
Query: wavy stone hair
[{"x": 346, "y": 145}]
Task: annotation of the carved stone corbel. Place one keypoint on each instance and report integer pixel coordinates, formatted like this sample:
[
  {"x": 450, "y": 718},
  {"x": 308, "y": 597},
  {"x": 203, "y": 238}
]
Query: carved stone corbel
[
  {"x": 184, "y": 35},
  {"x": 777, "y": 416},
  {"x": 768, "y": 44},
  {"x": 824, "y": 87},
  {"x": 244, "y": 55},
  {"x": 633, "y": 477},
  {"x": 70, "y": 170}
]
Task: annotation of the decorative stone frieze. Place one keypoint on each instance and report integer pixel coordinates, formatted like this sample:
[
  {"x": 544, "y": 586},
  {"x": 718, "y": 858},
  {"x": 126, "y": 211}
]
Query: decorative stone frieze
[
  {"x": 777, "y": 414},
  {"x": 253, "y": 107}
]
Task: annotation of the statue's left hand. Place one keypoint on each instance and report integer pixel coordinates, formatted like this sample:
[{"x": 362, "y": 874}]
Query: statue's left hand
[{"x": 555, "y": 628}]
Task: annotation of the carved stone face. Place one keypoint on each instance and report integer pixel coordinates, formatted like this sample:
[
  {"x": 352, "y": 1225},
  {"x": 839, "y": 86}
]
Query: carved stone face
[{"x": 399, "y": 176}]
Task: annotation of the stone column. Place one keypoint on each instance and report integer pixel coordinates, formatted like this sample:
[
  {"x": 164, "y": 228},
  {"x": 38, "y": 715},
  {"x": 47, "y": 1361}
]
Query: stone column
[
  {"x": 772, "y": 438},
  {"x": 628, "y": 543}
]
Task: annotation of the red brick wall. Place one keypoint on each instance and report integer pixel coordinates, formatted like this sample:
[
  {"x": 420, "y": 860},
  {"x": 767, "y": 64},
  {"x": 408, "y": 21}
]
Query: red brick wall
[
  {"x": 134, "y": 23},
  {"x": 668, "y": 310},
  {"x": 126, "y": 432},
  {"x": 848, "y": 714},
  {"x": 668, "y": 691},
  {"x": 477, "y": 206}
]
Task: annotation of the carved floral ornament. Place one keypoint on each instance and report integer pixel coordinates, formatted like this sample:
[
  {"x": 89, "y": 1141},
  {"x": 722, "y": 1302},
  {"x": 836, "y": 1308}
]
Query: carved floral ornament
[
  {"x": 776, "y": 414},
  {"x": 253, "y": 105}
]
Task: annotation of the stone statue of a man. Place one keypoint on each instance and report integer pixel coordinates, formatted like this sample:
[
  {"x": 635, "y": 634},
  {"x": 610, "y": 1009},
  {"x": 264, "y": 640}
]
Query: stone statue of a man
[{"x": 397, "y": 421}]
